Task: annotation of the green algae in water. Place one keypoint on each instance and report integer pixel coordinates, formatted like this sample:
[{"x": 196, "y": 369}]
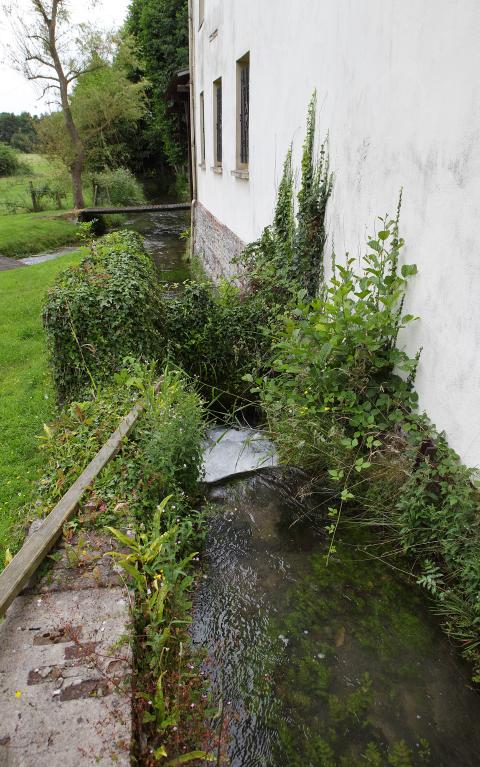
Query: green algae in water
[{"x": 321, "y": 666}]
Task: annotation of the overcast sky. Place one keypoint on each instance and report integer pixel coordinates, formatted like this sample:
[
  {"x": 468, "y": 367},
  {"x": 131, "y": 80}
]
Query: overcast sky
[{"x": 17, "y": 94}]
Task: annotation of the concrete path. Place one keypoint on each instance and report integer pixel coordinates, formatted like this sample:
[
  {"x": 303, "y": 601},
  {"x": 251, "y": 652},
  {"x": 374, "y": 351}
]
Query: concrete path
[
  {"x": 9, "y": 263},
  {"x": 65, "y": 664}
]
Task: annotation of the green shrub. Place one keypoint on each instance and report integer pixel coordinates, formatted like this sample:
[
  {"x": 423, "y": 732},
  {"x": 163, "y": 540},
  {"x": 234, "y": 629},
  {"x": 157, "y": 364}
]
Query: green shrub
[
  {"x": 105, "y": 309},
  {"x": 118, "y": 187},
  {"x": 169, "y": 439},
  {"x": 215, "y": 335},
  {"x": 23, "y": 142},
  {"x": 9, "y": 163},
  {"x": 339, "y": 400},
  {"x": 337, "y": 357}
]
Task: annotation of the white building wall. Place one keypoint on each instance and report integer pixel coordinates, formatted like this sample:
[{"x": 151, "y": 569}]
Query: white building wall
[{"x": 398, "y": 85}]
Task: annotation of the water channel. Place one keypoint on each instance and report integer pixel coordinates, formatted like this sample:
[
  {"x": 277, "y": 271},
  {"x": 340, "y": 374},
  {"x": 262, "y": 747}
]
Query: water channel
[{"x": 319, "y": 666}]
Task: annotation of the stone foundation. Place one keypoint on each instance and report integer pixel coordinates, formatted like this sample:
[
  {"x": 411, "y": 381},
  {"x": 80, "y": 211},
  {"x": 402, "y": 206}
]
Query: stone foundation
[{"x": 215, "y": 245}]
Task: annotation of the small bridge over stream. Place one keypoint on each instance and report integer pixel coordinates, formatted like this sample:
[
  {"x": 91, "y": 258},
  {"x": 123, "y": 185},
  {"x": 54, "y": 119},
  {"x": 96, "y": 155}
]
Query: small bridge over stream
[{"x": 88, "y": 214}]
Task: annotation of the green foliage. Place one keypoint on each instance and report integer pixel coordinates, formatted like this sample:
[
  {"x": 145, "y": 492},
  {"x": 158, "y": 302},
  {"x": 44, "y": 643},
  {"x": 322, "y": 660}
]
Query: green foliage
[
  {"x": 312, "y": 202},
  {"x": 107, "y": 108},
  {"x": 105, "y": 309},
  {"x": 19, "y": 131},
  {"x": 23, "y": 142},
  {"x": 118, "y": 187},
  {"x": 215, "y": 335},
  {"x": 160, "y": 28},
  {"x": 340, "y": 400},
  {"x": 170, "y": 438},
  {"x": 437, "y": 514},
  {"x": 288, "y": 257},
  {"x": 9, "y": 163},
  {"x": 72, "y": 440},
  {"x": 337, "y": 359}
]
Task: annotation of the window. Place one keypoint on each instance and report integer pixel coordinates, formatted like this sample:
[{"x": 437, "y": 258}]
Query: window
[
  {"x": 202, "y": 128},
  {"x": 217, "y": 122},
  {"x": 243, "y": 112},
  {"x": 201, "y": 12}
]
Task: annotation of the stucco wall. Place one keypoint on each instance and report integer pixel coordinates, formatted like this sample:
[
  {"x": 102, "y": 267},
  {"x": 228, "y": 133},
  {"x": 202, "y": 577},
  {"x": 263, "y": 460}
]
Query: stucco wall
[{"x": 399, "y": 93}]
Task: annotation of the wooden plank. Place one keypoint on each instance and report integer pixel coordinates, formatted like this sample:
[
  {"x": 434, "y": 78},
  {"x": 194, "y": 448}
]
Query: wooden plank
[
  {"x": 135, "y": 209},
  {"x": 36, "y": 547}
]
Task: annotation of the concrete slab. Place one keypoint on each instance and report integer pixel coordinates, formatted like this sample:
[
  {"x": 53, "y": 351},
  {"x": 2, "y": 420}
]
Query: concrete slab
[{"x": 65, "y": 666}]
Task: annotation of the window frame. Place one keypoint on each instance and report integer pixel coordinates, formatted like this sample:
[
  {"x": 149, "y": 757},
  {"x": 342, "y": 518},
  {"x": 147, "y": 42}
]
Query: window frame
[
  {"x": 243, "y": 113},
  {"x": 202, "y": 130},
  {"x": 218, "y": 124}
]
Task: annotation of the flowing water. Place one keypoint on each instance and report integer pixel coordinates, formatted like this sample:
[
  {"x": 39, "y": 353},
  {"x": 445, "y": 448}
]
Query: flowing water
[
  {"x": 162, "y": 237},
  {"x": 320, "y": 666},
  {"x": 162, "y": 233}
]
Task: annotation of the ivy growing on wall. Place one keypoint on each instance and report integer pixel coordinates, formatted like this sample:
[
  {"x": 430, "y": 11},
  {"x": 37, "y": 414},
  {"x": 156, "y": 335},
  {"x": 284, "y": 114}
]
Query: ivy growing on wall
[{"x": 289, "y": 254}]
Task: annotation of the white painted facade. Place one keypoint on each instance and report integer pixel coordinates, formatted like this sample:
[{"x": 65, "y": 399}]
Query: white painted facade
[{"x": 398, "y": 88}]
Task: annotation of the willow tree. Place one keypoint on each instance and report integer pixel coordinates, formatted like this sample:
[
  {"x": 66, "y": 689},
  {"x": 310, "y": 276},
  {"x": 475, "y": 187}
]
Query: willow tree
[{"x": 55, "y": 53}]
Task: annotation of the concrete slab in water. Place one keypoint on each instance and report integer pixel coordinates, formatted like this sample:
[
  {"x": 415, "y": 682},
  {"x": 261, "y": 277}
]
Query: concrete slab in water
[{"x": 233, "y": 451}]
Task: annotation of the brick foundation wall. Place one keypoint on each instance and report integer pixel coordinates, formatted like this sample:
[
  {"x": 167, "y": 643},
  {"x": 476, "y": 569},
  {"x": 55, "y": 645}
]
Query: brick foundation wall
[{"x": 215, "y": 245}]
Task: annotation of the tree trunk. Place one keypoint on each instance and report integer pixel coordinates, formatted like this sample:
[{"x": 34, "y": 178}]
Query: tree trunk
[{"x": 76, "y": 168}]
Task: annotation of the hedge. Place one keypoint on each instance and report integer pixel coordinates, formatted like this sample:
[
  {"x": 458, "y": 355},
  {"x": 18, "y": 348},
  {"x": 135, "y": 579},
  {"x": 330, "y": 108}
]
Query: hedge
[{"x": 102, "y": 311}]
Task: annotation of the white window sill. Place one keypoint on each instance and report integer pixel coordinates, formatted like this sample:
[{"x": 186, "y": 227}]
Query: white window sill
[
  {"x": 241, "y": 173},
  {"x": 217, "y": 169}
]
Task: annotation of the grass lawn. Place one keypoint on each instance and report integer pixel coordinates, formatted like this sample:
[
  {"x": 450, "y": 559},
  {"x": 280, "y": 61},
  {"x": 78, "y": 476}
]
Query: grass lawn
[
  {"x": 26, "y": 394},
  {"x": 23, "y": 234},
  {"x": 15, "y": 190},
  {"x": 41, "y": 171}
]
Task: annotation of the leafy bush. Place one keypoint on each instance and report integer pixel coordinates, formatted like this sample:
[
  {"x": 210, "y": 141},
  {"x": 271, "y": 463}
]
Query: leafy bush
[
  {"x": 101, "y": 311},
  {"x": 23, "y": 142},
  {"x": 9, "y": 163},
  {"x": 337, "y": 356},
  {"x": 169, "y": 439},
  {"x": 215, "y": 335},
  {"x": 118, "y": 187}
]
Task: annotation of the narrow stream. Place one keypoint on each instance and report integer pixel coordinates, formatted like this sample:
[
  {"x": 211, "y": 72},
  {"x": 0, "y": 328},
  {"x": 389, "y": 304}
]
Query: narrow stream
[
  {"x": 321, "y": 666},
  {"x": 162, "y": 233}
]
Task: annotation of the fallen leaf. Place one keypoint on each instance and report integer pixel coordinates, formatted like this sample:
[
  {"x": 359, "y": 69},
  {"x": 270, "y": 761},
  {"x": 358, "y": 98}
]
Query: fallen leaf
[{"x": 340, "y": 638}]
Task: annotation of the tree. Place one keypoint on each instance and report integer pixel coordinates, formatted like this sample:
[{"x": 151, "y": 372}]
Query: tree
[
  {"x": 52, "y": 51},
  {"x": 18, "y": 130},
  {"x": 161, "y": 30},
  {"x": 106, "y": 107}
]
